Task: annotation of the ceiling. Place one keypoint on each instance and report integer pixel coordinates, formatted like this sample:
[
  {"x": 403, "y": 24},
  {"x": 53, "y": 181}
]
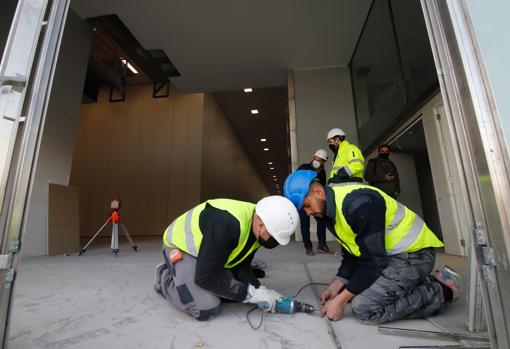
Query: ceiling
[
  {"x": 269, "y": 124},
  {"x": 224, "y": 46}
]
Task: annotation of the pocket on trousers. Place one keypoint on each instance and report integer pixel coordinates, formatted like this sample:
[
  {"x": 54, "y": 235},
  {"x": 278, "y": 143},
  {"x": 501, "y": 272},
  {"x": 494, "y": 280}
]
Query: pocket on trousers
[
  {"x": 184, "y": 294},
  {"x": 391, "y": 274},
  {"x": 403, "y": 275}
]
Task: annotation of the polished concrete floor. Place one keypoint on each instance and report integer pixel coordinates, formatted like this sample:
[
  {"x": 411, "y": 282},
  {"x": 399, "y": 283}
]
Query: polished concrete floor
[{"x": 101, "y": 301}]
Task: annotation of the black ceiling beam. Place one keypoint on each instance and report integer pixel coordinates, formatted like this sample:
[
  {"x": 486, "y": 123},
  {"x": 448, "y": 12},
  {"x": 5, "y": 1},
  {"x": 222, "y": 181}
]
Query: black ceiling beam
[{"x": 154, "y": 63}]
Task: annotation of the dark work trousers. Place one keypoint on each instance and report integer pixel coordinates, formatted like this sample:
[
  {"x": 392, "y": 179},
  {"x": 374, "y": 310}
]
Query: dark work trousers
[
  {"x": 404, "y": 290},
  {"x": 305, "y": 230},
  {"x": 179, "y": 288}
]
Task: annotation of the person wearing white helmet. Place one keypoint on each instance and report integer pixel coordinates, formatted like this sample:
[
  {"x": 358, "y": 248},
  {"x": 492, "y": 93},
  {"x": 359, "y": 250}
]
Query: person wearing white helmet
[
  {"x": 317, "y": 164},
  {"x": 207, "y": 253},
  {"x": 348, "y": 163}
]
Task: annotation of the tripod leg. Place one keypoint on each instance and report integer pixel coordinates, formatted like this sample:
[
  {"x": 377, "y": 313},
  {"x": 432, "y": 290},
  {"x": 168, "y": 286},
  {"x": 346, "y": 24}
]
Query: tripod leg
[
  {"x": 115, "y": 238},
  {"x": 128, "y": 237},
  {"x": 82, "y": 251}
]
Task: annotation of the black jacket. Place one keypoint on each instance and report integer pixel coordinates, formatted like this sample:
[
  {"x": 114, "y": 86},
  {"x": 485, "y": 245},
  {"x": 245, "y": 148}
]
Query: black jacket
[
  {"x": 364, "y": 210},
  {"x": 375, "y": 171},
  {"x": 221, "y": 232}
]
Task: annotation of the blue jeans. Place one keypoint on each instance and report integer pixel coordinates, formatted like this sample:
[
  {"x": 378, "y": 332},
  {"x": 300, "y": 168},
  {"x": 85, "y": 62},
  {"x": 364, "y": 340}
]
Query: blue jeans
[{"x": 305, "y": 231}]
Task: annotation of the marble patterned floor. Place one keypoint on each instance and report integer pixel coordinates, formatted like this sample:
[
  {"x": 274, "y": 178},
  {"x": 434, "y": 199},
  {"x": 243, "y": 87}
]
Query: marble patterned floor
[{"x": 99, "y": 301}]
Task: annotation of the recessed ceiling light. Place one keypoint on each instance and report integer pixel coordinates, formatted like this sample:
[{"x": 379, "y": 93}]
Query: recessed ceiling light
[
  {"x": 263, "y": 139},
  {"x": 254, "y": 111},
  {"x": 266, "y": 149},
  {"x": 274, "y": 179},
  {"x": 247, "y": 90},
  {"x": 271, "y": 168},
  {"x": 269, "y": 163},
  {"x": 123, "y": 60},
  {"x": 274, "y": 176}
]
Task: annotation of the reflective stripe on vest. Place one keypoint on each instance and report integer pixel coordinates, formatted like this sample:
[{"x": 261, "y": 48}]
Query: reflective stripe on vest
[
  {"x": 184, "y": 232},
  {"x": 404, "y": 230}
]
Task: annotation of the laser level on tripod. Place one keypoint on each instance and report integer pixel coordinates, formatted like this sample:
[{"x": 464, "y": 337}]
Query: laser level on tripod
[{"x": 116, "y": 221}]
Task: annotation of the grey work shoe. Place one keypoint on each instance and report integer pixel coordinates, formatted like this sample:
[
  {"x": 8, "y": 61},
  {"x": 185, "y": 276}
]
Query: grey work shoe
[{"x": 158, "y": 270}]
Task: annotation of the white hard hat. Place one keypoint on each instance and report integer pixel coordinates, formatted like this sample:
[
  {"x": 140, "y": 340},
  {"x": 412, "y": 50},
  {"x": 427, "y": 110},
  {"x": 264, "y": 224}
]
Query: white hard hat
[
  {"x": 335, "y": 132},
  {"x": 279, "y": 216},
  {"x": 321, "y": 153}
]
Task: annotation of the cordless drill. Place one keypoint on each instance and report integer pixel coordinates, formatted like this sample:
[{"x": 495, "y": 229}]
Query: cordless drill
[{"x": 288, "y": 305}]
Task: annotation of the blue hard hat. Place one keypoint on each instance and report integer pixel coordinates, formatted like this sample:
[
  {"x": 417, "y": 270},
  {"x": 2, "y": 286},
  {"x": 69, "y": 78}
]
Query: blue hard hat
[{"x": 296, "y": 186}]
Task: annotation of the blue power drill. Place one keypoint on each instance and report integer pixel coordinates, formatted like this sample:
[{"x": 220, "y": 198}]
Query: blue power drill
[{"x": 288, "y": 305}]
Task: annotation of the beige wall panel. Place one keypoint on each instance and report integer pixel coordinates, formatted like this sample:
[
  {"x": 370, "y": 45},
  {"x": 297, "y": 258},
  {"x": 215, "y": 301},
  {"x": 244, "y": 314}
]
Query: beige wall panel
[
  {"x": 194, "y": 132},
  {"x": 163, "y": 111},
  {"x": 117, "y": 128},
  {"x": 143, "y": 162},
  {"x": 63, "y": 220},
  {"x": 99, "y": 198},
  {"x": 184, "y": 190},
  {"x": 145, "y": 151},
  {"x": 129, "y": 170},
  {"x": 226, "y": 169}
]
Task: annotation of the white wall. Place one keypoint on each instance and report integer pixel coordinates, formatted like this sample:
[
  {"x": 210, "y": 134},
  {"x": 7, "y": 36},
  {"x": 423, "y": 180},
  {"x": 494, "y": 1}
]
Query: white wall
[
  {"x": 56, "y": 152},
  {"x": 323, "y": 101},
  {"x": 491, "y": 25}
]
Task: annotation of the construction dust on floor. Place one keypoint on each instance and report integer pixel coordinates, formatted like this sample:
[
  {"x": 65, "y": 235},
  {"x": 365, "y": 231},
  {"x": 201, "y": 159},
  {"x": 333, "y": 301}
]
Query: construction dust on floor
[{"x": 100, "y": 301}]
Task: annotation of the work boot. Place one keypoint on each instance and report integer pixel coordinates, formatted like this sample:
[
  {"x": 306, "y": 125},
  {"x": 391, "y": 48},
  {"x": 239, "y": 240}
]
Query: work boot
[
  {"x": 157, "y": 276},
  {"x": 309, "y": 252},
  {"x": 324, "y": 249},
  {"x": 450, "y": 279}
]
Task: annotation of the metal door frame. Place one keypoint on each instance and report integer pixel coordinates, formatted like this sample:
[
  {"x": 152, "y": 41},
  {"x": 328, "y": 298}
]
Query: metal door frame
[
  {"x": 481, "y": 152},
  {"x": 26, "y": 76}
]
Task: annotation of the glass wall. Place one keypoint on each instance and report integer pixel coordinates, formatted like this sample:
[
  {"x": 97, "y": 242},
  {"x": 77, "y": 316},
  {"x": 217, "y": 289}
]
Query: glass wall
[{"x": 392, "y": 68}]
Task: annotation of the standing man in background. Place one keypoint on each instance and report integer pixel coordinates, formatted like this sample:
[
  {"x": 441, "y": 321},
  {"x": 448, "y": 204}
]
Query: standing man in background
[
  {"x": 348, "y": 164},
  {"x": 317, "y": 164},
  {"x": 382, "y": 173}
]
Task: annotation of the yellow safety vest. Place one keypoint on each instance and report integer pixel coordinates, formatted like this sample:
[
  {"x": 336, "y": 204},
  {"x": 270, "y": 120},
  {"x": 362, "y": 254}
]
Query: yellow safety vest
[
  {"x": 350, "y": 158},
  {"x": 405, "y": 231},
  {"x": 184, "y": 233}
]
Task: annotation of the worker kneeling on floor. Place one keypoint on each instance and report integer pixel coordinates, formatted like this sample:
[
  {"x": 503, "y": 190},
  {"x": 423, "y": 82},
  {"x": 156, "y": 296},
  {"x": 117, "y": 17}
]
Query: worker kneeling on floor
[
  {"x": 388, "y": 252},
  {"x": 209, "y": 249}
]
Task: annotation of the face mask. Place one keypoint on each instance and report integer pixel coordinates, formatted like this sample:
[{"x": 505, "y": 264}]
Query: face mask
[
  {"x": 269, "y": 243},
  {"x": 316, "y": 164},
  {"x": 333, "y": 147},
  {"x": 384, "y": 155}
]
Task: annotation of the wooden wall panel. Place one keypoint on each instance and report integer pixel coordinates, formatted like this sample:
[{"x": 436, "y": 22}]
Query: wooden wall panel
[
  {"x": 163, "y": 111},
  {"x": 63, "y": 220},
  {"x": 159, "y": 156},
  {"x": 138, "y": 150}
]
